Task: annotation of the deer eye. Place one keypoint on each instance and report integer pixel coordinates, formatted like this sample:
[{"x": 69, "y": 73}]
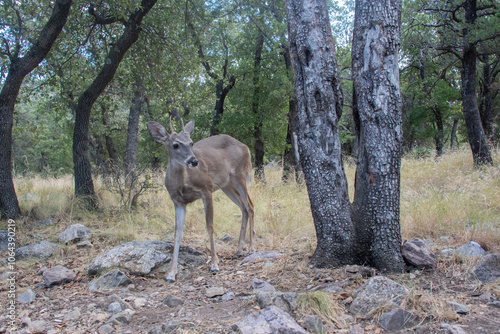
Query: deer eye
[{"x": 175, "y": 146}]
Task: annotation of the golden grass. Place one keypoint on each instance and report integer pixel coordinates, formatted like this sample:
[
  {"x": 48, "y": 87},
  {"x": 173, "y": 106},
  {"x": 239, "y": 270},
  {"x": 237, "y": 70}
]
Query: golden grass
[
  {"x": 321, "y": 304},
  {"x": 445, "y": 197}
]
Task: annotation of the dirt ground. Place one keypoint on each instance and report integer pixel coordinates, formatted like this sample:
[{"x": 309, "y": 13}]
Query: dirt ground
[{"x": 72, "y": 308}]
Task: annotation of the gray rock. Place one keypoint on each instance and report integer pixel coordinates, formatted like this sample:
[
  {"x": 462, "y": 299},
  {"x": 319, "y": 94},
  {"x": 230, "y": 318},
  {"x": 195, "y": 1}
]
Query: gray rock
[
  {"x": 58, "y": 275},
  {"x": 418, "y": 254},
  {"x": 446, "y": 239},
  {"x": 4, "y": 240},
  {"x": 76, "y": 232},
  {"x": 164, "y": 328},
  {"x": 269, "y": 320},
  {"x": 105, "y": 329},
  {"x": 114, "y": 308},
  {"x": 26, "y": 297},
  {"x": 228, "y": 296},
  {"x": 496, "y": 303},
  {"x": 84, "y": 244},
  {"x": 487, "y": 270},
  {"x": 356, "y": 329},
  {"x": 227, "y": 238},
  {"x": 447, "y": 252},
  {"x": 111, "y": 280},
  {"x": 40, "y": 250},
  {"x": 459, "y": 308},
  {"x": 452, "y": 329},
  {"x": 313, "y": 324},
  {"x": 37, "y": 326},
  {"x": 73, "y": 315},
  {"x": 430, "y": 242},
  {"x": 121, "y": 318},
  {"x": 398, "y": 318},
  {"x": 361, "y": 270},
  {"x": 376, "y": 293},
  {"x": 260, "y": 285},
  {"x": 44, "y": 223},
  {"x": 172, "y": 301},
  {"x": 214, "y": 291},
  {"x": 260, "y": 256},
  {"x": 104, "y": 303},
  {"x": 29, "y": 197},
  {"x": 141, "y": 257},
  {"x": 287, "y": 301},
  {"x": 470, "y": 249}
]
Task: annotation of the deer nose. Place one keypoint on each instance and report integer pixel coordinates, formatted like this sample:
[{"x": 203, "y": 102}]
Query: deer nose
[{"x": 193, "y": 162}]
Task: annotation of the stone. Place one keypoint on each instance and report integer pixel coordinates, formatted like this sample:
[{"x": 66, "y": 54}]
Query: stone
[
  {"x": 73, "y": 315},
  {"x": 470, "y": 249},
  {"x": 140, "y": 302},
  {"x": 76, "y": 232},
  {"x": 114, "y": 308},
  {"x": 164, "y": 328},
  {"x": 58, "y": 275},
  {"x": 172, "y": 301},
  {"x": 121, "y": 318},
  {"x": 459, "y": 308},
  {"x": 376, "y": 293},
  {"x": 269, "y": 320},
  {"x": 496, "y": 303},
  {"x": 104, "y": 303},
  {"x": 361, "y": 270},
  {"x": 26, "y": 297},
  {"x": 447, "y": 252},
  {"x": 227, "y": 238},
  {"x": 446, "y": 239},
  {"x": 44, "y": 223},
  {"x": 142, "y": 257},
  {"x": 84, "y": 244},
  {"x": 418, "y": 254},
  {"x": 356, "y": 329},
  {"x": 37, "y": 326},
  {"x": 452, "y": 329},
  {"x": 105, "y": 329},
  {"x": 214, "y": 292},
  {"x": 286, "y": 301},
  {"x": 260, "y": 256},
  {"x": 227, "y": 296},
  {"x": 40, "y": 250},
  {"x": 29, "y": 197},
  {"x": 487, "y": 270},
  {"x": 4, "y": 240},
  {"x": 397, "y": 319},
  {"x": 313, "y": 324},
  {"x": 110, "y": 280},
  {"x": 260, "y": 285}
]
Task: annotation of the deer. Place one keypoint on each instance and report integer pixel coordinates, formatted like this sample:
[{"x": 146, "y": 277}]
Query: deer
[{"x": 195, "y": 171}]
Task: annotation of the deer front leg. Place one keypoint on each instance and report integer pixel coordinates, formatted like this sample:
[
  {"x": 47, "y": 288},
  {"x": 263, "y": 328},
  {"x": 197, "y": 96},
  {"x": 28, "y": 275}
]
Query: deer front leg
[
  {"x": 180, "y": 217},
  {"x": 209, "y": 216}
]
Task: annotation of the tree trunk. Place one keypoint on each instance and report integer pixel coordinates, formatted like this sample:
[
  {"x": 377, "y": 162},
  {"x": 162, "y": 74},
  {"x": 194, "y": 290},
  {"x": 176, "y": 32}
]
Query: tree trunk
[
  {"x": 487, "y": 116},
  {"x": 453, "y": 136},
  {"x": 258, "y": 115},
  {"x": 84, "y": 185},
  {"x": 376, "y": 42},
  {"x": 439, "y": 136},
  {"x": 319, "y": 105},
  {"x": 19, "y": 68},
  {"x": 108, "y": 140},
  {"x": 477, "y": 138},
  {"x": 220, "y": 96},
  {"x": 130, "y": 159}
]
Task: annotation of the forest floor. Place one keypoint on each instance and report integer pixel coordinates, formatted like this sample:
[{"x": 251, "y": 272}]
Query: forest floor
[{"x": 72, "y": 308}]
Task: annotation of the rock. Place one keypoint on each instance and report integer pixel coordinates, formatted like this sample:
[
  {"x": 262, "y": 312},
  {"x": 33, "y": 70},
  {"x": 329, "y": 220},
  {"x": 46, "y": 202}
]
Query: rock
[
  {"x": 105, "y": 329},
  {"x": 114, "y": 308},
  {"x": 284, "y": 300},
  {"x": 121, "y": 318},
  {"x": 269, "y": 320},
  {"x": 356, "y": 329},
  {"x": 104, "y": 303},
  {"x": 140, "y": 302},
  {"x": 26, "y": 297},
  {"x": 329, "y": 287},
  {"x": 260, "y": 256},
  {"x": 496, "y": 303},
  {"x": 227, "y": 296},
  {"x": 227, "y": 238},
  {"x": 44, "y": 223},
  {"x": 58, "y": 275},
  {"x": 313, "y": 324},
  {"x": 452, "y": 329},
  {"x": 470, "y": 249},
  {"x": 76, "y": 232},
  {"x": 73, "y": 315},
  {"x": 397, "y": 319},
  {"x": 418, "y": 254},
  {"x": 459, "y": 308},
  {"x": 487, "y": 270},
  {"x": 363, "y": 271},
  {"x": 29, "y": 197},
  {"x": 4, "y": 240},
  {"x": 164, "y": 328},
  {"x": 111, "y": 280},
  {"x": 447, "y": 252},
  {"x": 260, "y": 285},
  {"x": 214, "y": 292},
  {"x": 38, "y": 326},
  {"x": 40, "y": 250},
  {"x": 172, "y": 301},
  {"x": 141, "y": 257},
  {"x": 377, "y": 292},
  {"x": 429, "y": 242},
  {"x": 84, "y": 244},
  {"x": 446, "y": 239}
]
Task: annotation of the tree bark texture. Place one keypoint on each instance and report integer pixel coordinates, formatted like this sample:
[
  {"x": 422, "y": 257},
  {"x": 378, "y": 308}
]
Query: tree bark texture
[
  {"x": 319, "y": 105},
  {"x": 477, "y": 138},
  {"x": 376, "y": 42},
  {"x": 84, "y": 185},
  {"x": 19, "y": 68},
  {"x": 257, "y": 113}
]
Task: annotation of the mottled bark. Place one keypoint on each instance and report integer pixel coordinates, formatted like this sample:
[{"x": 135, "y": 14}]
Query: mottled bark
[
  {"x": 453, "y": 135},
  {"x": 84, "y": 185},
  {"x": 319, "y": 105},
  {"x": 376, "y": 42},
  {"x": 487, "y": 115},
  {"x": 18, "y": 69}
]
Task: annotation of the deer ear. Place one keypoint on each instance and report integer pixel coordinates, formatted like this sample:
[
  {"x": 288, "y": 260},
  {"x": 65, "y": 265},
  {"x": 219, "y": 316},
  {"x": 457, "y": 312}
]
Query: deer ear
[
  {"x": 157, "y": 131},
  {"x": 189, "y": 128}
]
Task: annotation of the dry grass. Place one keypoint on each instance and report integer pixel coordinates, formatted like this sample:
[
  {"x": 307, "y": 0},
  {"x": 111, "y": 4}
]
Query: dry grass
[
  {"x": 321, "y": 304},
  {"x": 446, "y": 197}
]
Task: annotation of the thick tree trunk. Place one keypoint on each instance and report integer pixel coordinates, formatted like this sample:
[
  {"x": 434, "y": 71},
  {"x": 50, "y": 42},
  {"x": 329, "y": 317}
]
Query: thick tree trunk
[
  {"x": 453, "y": 136},
  {"x": 130, "y": 159},
  {"x": 258, "y": 114},
  {"x": 84, "y": 185},
  {"x": 319, "y": 105},
  {"x": 108, "y": 140},
  {"x": 220, "y": 96},
  {"x": 439, "y": 136},
  {"x": 477, "y": 138},
  {"x": 18, "y": 69},
  {"x": 376, "y": 42},
  {"x": 487, "y": 115}
]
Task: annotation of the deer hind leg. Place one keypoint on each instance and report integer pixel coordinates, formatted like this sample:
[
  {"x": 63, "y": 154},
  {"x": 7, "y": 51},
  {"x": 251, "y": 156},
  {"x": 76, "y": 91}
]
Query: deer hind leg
[
  {"x": 209, "y": 216},
  {"x": 180, "y": 217}
]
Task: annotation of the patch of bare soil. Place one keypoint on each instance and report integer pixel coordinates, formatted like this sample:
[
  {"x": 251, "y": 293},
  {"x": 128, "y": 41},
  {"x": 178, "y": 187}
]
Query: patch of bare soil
[{"x": 72, "y": 308}]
